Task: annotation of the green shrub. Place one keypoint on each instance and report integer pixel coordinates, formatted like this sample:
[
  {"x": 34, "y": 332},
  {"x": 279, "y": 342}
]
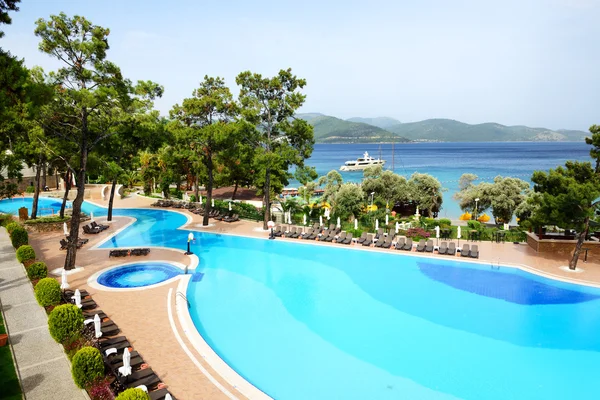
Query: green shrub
[
  {"x": 193, "y": 198},
  {"x": 87, "y": 366},
  {"x": 11, "y": 226},
  {"x": 25, "y": 253},
  {"x": 30, "y": 189},
  {"x": 445, "y": 222},
  {"x": 133, "y": 394},
  {"x": 474, "y": 225},
  {"x": 37, "y": 270},
  {"x": 65, "y": 321},
  {"x": 19, "y": 237},
  {"x": 73, "y": 344},
  {"x": 47, "y": 292},
  {"x": 5, "y": 219},
  {"x": 47, "y": 220}
]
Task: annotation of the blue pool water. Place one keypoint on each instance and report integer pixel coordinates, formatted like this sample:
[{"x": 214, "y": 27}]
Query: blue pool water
[
  {"x": 321, "y": 322},
  {"x": 138, "y": 275},
  {"x": 46, "y": 205}
]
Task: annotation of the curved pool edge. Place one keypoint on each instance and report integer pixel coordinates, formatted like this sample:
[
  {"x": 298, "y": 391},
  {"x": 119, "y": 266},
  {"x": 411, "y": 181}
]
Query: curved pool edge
[
  {"x": 92, "y": 281},
  {"x": 225, "y": 371}
]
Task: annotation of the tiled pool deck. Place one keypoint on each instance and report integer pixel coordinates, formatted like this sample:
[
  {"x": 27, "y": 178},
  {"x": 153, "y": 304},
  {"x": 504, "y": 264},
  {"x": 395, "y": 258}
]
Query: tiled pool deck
[{"x": 145, "y": 317}]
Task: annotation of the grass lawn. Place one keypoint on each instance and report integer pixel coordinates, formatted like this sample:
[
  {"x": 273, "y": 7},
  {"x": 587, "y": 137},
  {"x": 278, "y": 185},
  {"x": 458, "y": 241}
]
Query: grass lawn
[{"x": 9, "y": 383}]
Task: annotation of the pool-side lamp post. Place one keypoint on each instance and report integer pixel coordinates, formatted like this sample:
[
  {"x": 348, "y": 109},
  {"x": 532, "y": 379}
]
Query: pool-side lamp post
[
  {"x": 476, "y": 210},
  {"x": 190, "y": 238},
  {"x": 270, "y": 225}
]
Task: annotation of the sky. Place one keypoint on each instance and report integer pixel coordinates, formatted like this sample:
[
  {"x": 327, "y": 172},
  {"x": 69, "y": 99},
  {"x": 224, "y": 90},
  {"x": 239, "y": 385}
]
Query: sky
[{"x": 515, "y": 62}]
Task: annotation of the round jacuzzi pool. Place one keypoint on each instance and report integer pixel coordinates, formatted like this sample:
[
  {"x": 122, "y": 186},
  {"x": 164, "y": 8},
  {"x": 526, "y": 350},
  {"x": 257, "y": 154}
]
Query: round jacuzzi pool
[{"x": 138, "y": 275}]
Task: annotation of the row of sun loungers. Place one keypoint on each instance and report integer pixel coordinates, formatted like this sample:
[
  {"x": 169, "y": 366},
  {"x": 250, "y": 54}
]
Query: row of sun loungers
[
  {"x": 94, "y": 228},
  {"x": 380, "y": 239},
  {"x": 112, "y": 348},
  {"x": 80, "y": 242},
  {"x": 129, "y": 252}
]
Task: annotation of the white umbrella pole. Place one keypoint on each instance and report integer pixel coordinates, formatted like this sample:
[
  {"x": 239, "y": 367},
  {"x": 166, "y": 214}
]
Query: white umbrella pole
[
  {"x": 387, "y": 219},
  {"x": 376, "y": 224},
  {"x": 355, "y": 224}
]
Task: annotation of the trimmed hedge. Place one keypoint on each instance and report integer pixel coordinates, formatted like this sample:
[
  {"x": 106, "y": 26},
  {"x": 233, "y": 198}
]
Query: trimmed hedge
[
  {"x": 37, "y": 270},
  {"x": 47, "y": 220},
  {"x": 87, "y": 366},
  {"x": 47, "y": 292},
  {"x": 19, "y": 237},
  {"x": 133, "y": 394},
  {"x": 25, "y": 253},
  {"x": 5, "y": 219},
  {"x": 11, "y": 226},
  {"x": 65, "y": 321}
]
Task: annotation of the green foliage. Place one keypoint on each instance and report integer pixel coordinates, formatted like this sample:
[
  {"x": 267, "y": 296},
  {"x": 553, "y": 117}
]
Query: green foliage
[
  {"x": 30, "y": 189},
  {"x": 87, "y": 366},
  {"x": 19, "y": 237},
  {"x": 443, "y": 222},
  {"x": 305, "y": 174},
  {"x": 37, "y": 270},
  {"x": 11, "y": 226},
  {"x": 6, "y": 219},
  {"x": 348, "y": 201},
  {"x": 25, "y": 253},
  {"x": 426, "y": 192},
  {"x": 594, "y": 141},
  {"x": 47, "y": 220},
  {"x": 133, "y": 394},
  {"x": 389, "y": 187},
  {"x": 332, "y": 183},
  {"x": 193, "y": 198},
  {"x": 476, "y": 225},
  {"x": 65, "y": 320},
  {"x": 47, "y": 292}
]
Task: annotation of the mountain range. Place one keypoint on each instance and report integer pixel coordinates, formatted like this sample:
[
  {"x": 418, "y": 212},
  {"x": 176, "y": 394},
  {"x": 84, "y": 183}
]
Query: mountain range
[{"x": 328, "y": 129}]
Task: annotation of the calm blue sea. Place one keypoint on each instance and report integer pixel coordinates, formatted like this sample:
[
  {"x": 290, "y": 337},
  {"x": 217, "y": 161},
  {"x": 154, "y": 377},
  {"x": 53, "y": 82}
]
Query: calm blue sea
[{"x": 448, "y": 161}]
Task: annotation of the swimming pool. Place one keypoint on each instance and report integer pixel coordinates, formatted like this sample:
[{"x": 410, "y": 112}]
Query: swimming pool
[
  {"x": 46, "y": 205},
  {"x": 139, "y": 274},
  {"x": 305, "y": 321}
]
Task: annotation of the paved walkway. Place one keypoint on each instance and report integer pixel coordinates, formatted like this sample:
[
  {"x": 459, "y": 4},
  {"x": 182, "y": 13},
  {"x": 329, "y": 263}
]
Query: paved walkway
[{"x": 42, "y": 366}]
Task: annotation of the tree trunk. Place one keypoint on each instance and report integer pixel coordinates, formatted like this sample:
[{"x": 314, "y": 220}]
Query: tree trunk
[
  {"x": 57, "y": 182},
  {"x": 76, "y": 214},
  {"x": 110, "y": 200},
  {"x": 209, "y": 188},
  {"x": 67, "y": 187},
  {"x": 235, "y": 188},
  {"x": 36, "y": 194},
  {"x": 580, "y": 239},
  {"x": 197, "y": 189},
  {"x": 44, "y": 170},
  {"x": 267, "y": 190}
]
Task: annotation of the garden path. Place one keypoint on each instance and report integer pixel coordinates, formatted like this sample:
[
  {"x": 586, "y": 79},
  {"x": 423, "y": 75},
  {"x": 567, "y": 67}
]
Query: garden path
[{"x": 42, "y": 366}]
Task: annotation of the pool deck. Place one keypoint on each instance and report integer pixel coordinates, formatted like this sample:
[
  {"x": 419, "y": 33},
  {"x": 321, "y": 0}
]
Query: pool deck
[{"x": 148, "y": 317}]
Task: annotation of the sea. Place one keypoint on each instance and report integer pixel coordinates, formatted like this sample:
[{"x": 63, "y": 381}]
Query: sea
[{"x": 448, "y": 161}]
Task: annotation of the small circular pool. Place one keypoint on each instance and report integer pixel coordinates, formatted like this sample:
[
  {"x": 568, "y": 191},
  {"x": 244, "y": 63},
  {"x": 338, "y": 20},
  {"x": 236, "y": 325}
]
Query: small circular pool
[{"x": 138, "y": 275}]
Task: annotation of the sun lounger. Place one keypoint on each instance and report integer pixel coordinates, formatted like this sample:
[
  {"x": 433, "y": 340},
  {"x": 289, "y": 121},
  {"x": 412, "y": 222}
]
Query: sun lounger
[
  {"x": 429, "y": 246},
  {"x": 387, "y": 242},
  {"x": 88, "y": 230},
  {"x": 291, "y": 232},
  {"x": 297, "y": 233},
  {"x": 378, "y": 234},
  {"x": 118, "y": 345},
  {"x": 451, "y": 249},
  {"x": 64, "y": 243},
  {"x": 474, "y": 253},
  {"x": 233, "y": 218},
  {"x": 145, "y": 377},
  {"x": 341, "y": 237},
  {"x": 313, "y": 235},
  {"x": 92, "y": 314},
  {"x": 95, "y": 225},
  {"x": 329, "y": 237},
  {"x": 368, "y": 241},
  {"x": 348, "y": 238},
  {"x": 306, "y": 234},
  {"x": 159, "y": 394},
  {"x": 380, "y": 241},
  {"x": 136, "y": 361},
  {"x": 465, "y": 250},
  {"x": 421, "y": 245},
  {"x": 400, "y": 244},
  {"x": 409, "y": 245},
  {"x": 443, "y": 248},
  {"x": 84, "y": 293},
  {"x": 362, "y": 238}
]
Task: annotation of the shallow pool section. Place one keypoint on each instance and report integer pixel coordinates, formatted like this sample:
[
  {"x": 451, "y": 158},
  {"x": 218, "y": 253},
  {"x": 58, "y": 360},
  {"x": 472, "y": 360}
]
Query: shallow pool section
[
  {"x": 138, "y": 275},
  {"x": 46, "y": 205}
]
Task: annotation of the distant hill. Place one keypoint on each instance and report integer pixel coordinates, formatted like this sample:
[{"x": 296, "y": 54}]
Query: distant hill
[
  {"x": 334, "y": 130},
  {"x": 381, "y": 122},
  {"x": 447, "y": 130}
]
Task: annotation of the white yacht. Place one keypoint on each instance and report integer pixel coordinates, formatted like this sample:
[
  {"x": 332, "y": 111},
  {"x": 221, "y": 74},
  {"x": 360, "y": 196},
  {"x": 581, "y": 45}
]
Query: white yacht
[{"x": 361, "y": 163}]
